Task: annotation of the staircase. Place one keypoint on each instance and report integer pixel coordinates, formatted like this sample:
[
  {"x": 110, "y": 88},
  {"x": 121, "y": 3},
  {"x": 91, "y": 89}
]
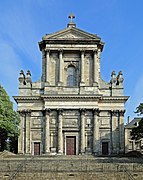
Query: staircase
[{"x": 69, "y": 167}]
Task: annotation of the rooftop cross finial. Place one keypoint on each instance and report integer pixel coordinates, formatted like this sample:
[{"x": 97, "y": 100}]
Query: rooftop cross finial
[{"x": 71, "y": 17}]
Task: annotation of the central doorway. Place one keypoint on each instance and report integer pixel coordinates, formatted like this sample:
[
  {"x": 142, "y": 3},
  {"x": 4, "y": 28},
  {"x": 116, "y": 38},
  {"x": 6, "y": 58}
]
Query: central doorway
[
  {"x": 36, "y": 148},
  {"x": 70, "y": 145}
]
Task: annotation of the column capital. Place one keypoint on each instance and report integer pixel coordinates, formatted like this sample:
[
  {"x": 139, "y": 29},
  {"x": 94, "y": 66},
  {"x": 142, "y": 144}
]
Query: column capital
[
  {"x": 82, "y": 51},
  {"x": 25, "y": 112},
  {"x": 60, "y": 50},
  {"x": 95, "y": 51},
  {"x": 60, "y": 111},
  {"x": 115, "y": 112},
  {"x": 122, "y": 112},
  {"x": 47, "y": 111},
  {"x": 96, "y": 111},
  {"x": 47, "y": 50},
  {"x": 82, "y": 111}
]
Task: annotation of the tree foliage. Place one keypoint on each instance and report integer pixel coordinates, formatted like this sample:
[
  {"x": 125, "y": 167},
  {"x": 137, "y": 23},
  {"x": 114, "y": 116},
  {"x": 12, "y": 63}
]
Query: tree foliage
[
  {"x": 139, "y": 109},
  {"x": 137, "y": 132},
  {"x": 9, "y": 120}
]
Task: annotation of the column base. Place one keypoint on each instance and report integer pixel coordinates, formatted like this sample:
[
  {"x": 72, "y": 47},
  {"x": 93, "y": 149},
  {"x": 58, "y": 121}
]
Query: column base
[
  {"x": 47, "y": 152},
  {"x": 47, "y": 83},
  {"x": 82, "y": 84},
  {"x": 60, "y": 83},
  {"x": 95, "y": 84},
  {"x": 60, "y": 152}
]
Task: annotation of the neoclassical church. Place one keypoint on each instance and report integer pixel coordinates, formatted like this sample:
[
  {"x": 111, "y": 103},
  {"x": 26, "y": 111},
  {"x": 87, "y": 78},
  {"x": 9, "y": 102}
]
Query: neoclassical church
[{"x": 71, "y": 110}]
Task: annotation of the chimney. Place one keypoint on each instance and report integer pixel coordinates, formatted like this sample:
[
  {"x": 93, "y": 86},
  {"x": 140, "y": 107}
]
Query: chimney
[{"x": 128, "y": 119}]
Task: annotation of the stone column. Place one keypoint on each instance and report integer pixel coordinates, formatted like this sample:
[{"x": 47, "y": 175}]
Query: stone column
[
  {"x": 121, "y": 131},
  {"x": 60, "y": 68},
  {"x": 96, "y": 131},
  {"x": 27, "y": 131},
  {"x": 115, "y": 142},
  {"x": 98, "y": 61},
  {"x": 21, "y": 136},
  {"x": 82, "y": 83},
  {"x": 47, "y": 131},
  {"x": 82, "y": 135},
  {"x": 95, "y": 69},
  {"x": 43, "y": 66},
  {"x": 60, "y": 133},
  {"x": 48, "y": 66}
]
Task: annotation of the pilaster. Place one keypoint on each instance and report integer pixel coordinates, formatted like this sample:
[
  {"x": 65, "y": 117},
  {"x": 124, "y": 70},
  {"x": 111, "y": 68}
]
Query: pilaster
[
  {"x": 47, "y": 67},
  {"x": 21, "y": 136},
  {"x": 115, "y": 135},
  {"x": 43, "y": 65},
  {"x": 60, "y": 133},
  {"x": 95, "y": 69},
  {"x": 47, "y": 131},
  {"x": 82, "y": 81},
  {"x": 82, "y": 145},
  {"x": 121, "y": 130},
  {"x": 60, "y": 83},
  {"x": 28, "y": 132},
  {"x": 96, "y": 131}
]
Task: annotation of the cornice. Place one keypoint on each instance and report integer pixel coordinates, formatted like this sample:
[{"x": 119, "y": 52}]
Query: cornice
[
  {"x": 27, "y": 98},
  {"x": 114, "y": 99},
  {"x": 99, "y": 98}
]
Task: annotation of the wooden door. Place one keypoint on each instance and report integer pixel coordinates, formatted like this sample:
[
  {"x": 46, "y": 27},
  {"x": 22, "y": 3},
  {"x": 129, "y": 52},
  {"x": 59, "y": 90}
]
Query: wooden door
[
  {"x": 70, "y": 145},
  {"x": 36, "y": 148},
  {"x": 105, "y": 148}
]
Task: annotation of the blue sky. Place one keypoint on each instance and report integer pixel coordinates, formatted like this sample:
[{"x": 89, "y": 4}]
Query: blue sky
[{"x": 118, "y": 22}]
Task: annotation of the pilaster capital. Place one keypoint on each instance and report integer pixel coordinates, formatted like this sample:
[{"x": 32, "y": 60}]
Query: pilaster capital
[
  {"x": 95, "y": 51},
  {"x": 47, "y": 51},
  {"x": 122, "y": 112},
  {"x": 47, "y": 111},
  {"x": 96, "y": 111},
  {"x": 82, "y": 51},
  {"x": 60, "y": 111},
  {"x": 82, "y": 111},
  {"x": 60, "y": 51},
  {"x": 115, "y": 112},
  {"x": 25, "y": 112}
]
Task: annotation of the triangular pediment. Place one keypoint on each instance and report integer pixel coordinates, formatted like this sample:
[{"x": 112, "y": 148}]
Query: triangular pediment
[{"x": 71, "y": 33}]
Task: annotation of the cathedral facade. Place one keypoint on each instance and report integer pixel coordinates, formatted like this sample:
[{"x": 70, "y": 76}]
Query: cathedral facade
[{"x": 71, "y": 110}]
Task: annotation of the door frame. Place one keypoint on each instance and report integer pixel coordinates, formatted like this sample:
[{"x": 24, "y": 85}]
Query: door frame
[
  {"x": 76, "y": 135},
  {"x": 109, "y": 148},
  {"x": 33, "y": 146}
]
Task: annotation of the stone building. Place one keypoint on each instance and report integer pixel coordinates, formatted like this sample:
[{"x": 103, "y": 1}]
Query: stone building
[
  {"x": 130, "y": 144},
  {"x": 71, "y": 110}
]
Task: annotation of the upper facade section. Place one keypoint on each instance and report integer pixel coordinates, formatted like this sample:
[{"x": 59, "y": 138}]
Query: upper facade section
[{"x": 71, "y": 65}]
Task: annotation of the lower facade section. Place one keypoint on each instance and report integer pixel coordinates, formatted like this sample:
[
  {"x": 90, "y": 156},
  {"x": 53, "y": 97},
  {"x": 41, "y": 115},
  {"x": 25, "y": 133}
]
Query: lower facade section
[{"x": 71, "y": 132}]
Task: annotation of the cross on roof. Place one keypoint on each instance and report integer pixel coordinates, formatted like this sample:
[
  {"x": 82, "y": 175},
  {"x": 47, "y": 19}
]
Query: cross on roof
[{"x": 71, "y": 17}]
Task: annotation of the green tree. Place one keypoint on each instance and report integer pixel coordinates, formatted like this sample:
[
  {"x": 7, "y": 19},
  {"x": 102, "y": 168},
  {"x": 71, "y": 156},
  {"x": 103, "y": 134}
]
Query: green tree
[
  {"x": 9, "y": 121},
  {"x": 139, "y": 109},
  {"x": 137, "y": 132}
]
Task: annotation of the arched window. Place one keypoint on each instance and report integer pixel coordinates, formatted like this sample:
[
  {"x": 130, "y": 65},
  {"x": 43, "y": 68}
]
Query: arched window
[{"x": 71, "y": 76}]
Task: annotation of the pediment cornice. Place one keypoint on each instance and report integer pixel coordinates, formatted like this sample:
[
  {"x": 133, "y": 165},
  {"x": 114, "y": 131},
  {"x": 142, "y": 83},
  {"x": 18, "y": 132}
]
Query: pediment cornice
[{"x": 71, "y": 35}]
